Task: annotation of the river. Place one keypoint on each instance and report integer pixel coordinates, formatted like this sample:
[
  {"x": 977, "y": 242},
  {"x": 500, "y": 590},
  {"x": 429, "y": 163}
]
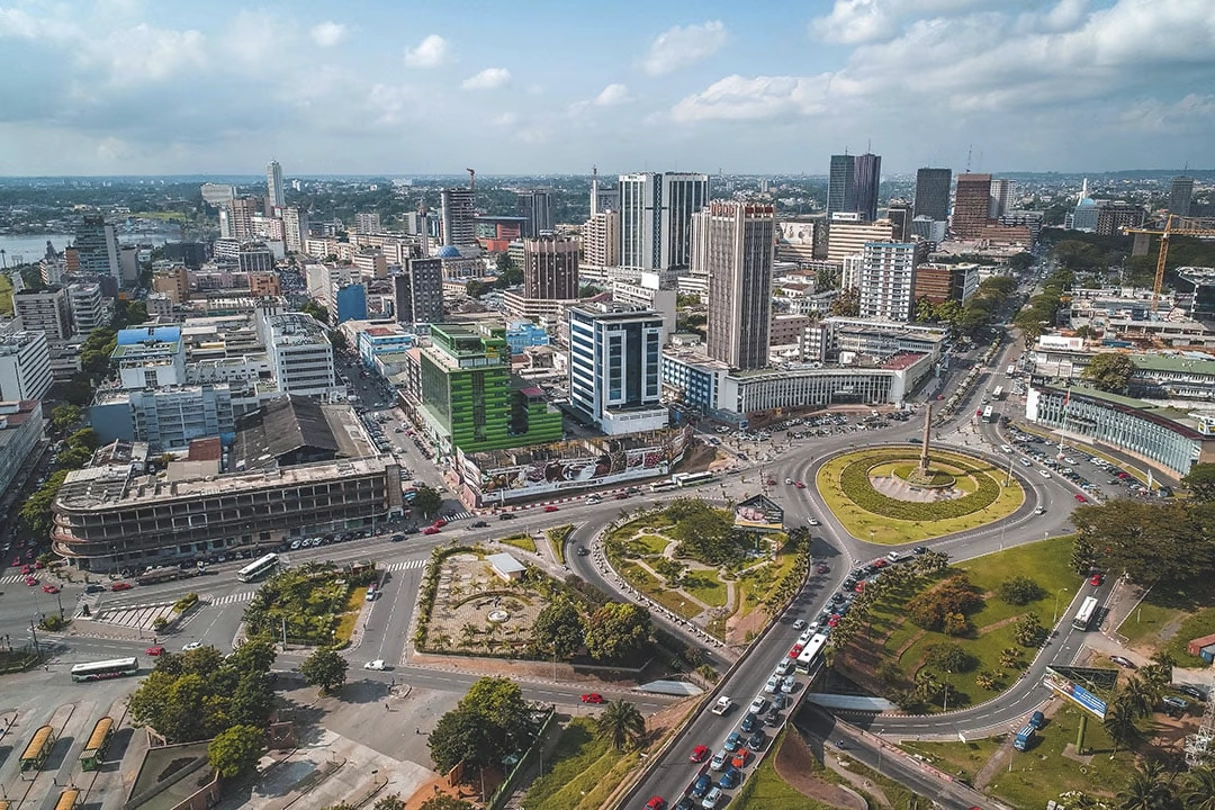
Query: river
[{"x": 19, "y": 249}]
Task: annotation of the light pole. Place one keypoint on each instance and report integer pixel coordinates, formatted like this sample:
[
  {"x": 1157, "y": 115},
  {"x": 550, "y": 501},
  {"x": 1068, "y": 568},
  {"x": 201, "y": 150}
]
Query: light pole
[{"x": 1055, "y": 620}]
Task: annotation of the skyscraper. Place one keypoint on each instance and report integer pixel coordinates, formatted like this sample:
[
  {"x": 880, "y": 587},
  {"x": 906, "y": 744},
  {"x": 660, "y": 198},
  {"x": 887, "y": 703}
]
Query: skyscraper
[
  {"x": 656, "y": 218},
  {"x": 887, "y": 282},
  {"x": 867, "y": 178},
  {"x": 734, "y": 244},
  {"x": 971, "y": 203},
  {"x": 550, "y": 268},
  {"x": 1001, "y": 198},
  {"x": 1181, "y": 195},
  {"x": 458, "y": 217},
  {"x": 295, "y": 229},
  {"x": 932, "y": 193},
  {"x": 615, "y": 367},
  {"x": 841, "y": 191},
  {"x": 601, "y": 239},
  {"x": 602, "y": 198},
  {"x": 236, "y": 220},
  {"x": 419, "y": 292},
  {"x": 274, "y": 185},
  {"x": 97, "y": 248},
  {"x": 536, "y": 206}
]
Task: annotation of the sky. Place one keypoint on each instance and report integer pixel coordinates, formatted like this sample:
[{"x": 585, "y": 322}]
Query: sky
[{"x": 400, "y": 87}]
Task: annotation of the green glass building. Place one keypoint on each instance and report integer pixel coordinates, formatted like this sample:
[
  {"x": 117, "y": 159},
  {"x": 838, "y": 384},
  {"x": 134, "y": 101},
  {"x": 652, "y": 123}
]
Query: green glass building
[{"x": 471, "y": 401}]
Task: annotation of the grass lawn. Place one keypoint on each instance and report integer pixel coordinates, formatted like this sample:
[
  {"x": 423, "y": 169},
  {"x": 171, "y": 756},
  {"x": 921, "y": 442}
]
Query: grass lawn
[
  {"x": 865, "y": 525},
  {"x": 556, "y": 539},
  {"x": 1201, "y": 623},
  {"x": 520, "y": 541},
  {"x": 706, "y": 587},
  {"x": 644, "y": 581},
  {"x": 765, "y": 790},
  {"x": 6, "y": 296},
  {"x": 1169, "y": 616},
  {"x": 651, "y": 543},
  {"x": 959, "y": 759},
  {"x": 1046, "y": 562},
  {"x": 582, "y": 766},
  {"x": 354, "y": 604}
]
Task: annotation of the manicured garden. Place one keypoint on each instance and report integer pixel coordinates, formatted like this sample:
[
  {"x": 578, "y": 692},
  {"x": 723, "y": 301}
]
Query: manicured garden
[{"x": 315, "y": 604}]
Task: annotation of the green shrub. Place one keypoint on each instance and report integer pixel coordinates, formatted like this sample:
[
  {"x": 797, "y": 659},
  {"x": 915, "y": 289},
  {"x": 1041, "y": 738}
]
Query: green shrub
[
  {"x": 185, "y": 603},
  {"x": 1020, "y": 591},
  {"x": 854, "y": 480}
]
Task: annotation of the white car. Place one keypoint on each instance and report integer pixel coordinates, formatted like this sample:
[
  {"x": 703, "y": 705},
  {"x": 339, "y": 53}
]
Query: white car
[
  {"x": 805, "y": 637},
  {"x": 711, "y": 798},
  {"x": 799, "y": 624},
  {"x": 719, "y": 760},
  {"x": 760, "y": 703},
  {"x": 784, "y": 666},
  {"x": 1039, "y": 511},
  {"x": 813, "y": 522},
  {"x": 193, "y": 645},
  {"x": 1044, "y": 473},
  {"x": 1006, "y": 448},
  {"x": 377, "y": 665},
  {"x": 788, "y": 684}
]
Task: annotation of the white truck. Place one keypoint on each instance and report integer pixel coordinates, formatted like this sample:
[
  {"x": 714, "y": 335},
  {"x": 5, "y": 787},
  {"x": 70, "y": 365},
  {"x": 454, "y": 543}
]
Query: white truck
[{"x": 722, "y": 705}]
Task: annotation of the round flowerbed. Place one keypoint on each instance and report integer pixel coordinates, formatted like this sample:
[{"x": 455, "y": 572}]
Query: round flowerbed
[{"x": 856, "y": 484}]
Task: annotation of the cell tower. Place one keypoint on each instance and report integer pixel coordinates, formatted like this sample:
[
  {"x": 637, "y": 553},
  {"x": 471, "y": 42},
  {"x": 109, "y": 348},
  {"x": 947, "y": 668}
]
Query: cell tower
[{"x": 1200, "y": 746}]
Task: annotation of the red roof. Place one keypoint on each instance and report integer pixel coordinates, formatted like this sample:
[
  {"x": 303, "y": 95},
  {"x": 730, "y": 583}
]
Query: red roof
[
  {"x": 205, "y": 450},
  {"x": 902, "y": 361}
]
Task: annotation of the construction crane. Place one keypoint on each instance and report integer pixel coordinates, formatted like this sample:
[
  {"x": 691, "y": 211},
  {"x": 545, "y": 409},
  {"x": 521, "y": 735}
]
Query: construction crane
[
  {"x": 1186, "y": 226},
  {"x": 472, "y": 179}
]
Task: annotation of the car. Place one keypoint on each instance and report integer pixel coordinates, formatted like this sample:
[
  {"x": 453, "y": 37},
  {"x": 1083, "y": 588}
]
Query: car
[
  {"x": 551, "y": 508},
  {"x": 733, "y": 741},
  {"x": 396, "y": 538},
  {"x": 480, "y": 524},
  {"x": 120, "y": 586},
  {"x": 795, "y": 651},
  {"x": 760, "y": 703},
  {"x": 656, "y": 803},
  {"x": 1080, "y": 498},
  {"x": 799, "y": 485},
  {"x": 1125, "y": 663},
  {"x": 430, "y": 530},
  {"x": 757, "y": 741},
  {"x": 730, "y": 779},
  {"x": 748, "y": 722},
  {"x": 31, "y": 581},
  {"x": 701, "y": 786},
  {"x": 799, "y": 624},
  {"x": 295, "y": 544},
  {"x": 1191, "y": 691},
  {"x": 506, "y": 516},
  {"x": 772, "y": 685},
  {"x": 822, "y": 568},
  {"x": 699, "y": 754},
  {"x": 193, "y": 645},
  {"x": 439, "y": 523},
  {"x": 813, "y": 522},
  {"x": 376, "y": 665},
  {"x": 592, "y": 697},
  {"x": 788, "y": 684},
  {"x": 583, "y": 551},
  {"x": 1044, "y": 473},
  {"x": 719, "y": 760},
  {"x": 779, "y": 701},
  {"x": 784, "y": 667},
  {"x": 880, "y": 563},
  {"x": 684, "y": 803},
  {"x": 1096, "y": 579},
  {"x": 741, "y": 758},
  {"x": 711, "y": 799},
  {"x": 49, "y": 588},
  {"x": 772, "y": 718},
  {"x": 94, "y": 587},
  {"x": 834, "y": 620},
  {"x": 1040, "y": 511},
  {"x": 154, "y": 650}
]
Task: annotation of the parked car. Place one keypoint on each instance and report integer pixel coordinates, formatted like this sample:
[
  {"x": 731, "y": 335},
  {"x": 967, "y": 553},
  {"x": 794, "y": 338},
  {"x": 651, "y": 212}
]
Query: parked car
[
  {"x": 49, "y": 588},
  {"x": 551, "y": 508},
  {"x": 701, "y": 786},
  {"x": 1125, "y": 663},
  {"x": 733, "y": 741},
  {"x": 592, "y": 697},
  {"x": 711, "y": 799}
]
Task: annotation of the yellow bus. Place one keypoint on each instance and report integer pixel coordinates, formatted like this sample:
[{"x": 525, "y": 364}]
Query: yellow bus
[
  {"x": 99, "y": 741},
  {"x": 38, "y": 749},
  {"x": 68, "y": 800}
]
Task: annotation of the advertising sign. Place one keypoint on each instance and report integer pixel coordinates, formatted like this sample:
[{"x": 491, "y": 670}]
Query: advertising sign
[
  {"x": 1075, "y": 693},
  {"x": 759, "y": 514}
]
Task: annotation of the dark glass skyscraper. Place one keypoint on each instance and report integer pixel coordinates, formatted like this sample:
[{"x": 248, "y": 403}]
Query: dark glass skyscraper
[
  {"x": 866, "y": 179},
  {"x": 932, "y": 193},
  {"x": 841, "y": 191}
]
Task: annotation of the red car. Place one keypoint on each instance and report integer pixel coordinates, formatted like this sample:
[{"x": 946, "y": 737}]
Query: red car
[
  {"x": 550, "y": 508},
  {"x": 592, "y": 697},
  {"x": 120, "y": 586},
  {"x": 1096, "y": 579},
  {"x": 431, "y": 530},
  {"x": 881, "y": 562},
  {"x": 656, "y": 803},
  {"x": 38, "y": 564},
  {"x": 30, "y": 581},
  {"x": 799, "y": 485},
  {"x": 25, "y": 569},
  {"x": 796, "y": 651},
  {"x": 1080, "y": 498},
  {"x": 157, "y": 650},
  {"x": 741, "y": 757},
  {"x": 699, "y": 753},
  {"x": 834, "y": 620},
  {"x": 49, "y": 588},
  {"x": 440, "y": 523},
  {"x": 860, "y": 587},
  {"x": 16, "y": 562}
]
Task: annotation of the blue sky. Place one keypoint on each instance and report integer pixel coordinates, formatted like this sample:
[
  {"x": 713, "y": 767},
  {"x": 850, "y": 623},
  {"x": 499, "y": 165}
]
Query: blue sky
[{"x": 764, "y": 86}]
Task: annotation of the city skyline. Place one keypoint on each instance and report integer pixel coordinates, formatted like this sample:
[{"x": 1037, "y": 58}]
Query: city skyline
[{"x": 128, "y": 87}]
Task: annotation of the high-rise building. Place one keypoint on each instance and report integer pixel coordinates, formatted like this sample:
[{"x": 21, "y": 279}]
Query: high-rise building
[
  {"x": 601, "y": 239},
  {"x": 971, "y": 203},
  {"x": 932, "y": 193},
  {"x": 86, "y": 307},
  {"x": 847, "y": 235},
  {"x": 900, "y": 216},
  {"x": 866, "y": 184},
  {"x": 217, "y": 195},
  {"x": 550, "y": 268},
  {"x": 236, "y": 219},
  {"x": 44, "y": 311},
  {"x": 25, "y": 366},
  {"x": 887, "y": 283},
  {"x": 615, "y": 367},
  {"x": 97, "y": 248},
  {"x": 419, "y": 292},
  {"x": 275, "y": 197},
  {"x": 734, "y": 243},
  {"x": 1001, "y": 198},
  {"x": 656, "y": 218},
  {"x": 458, "y": 217},
  {"x": 1181, "y": 196},
  {"x": 295, "y": 229},
  {"x": 535, "y": 205},
  {"x": 367, "y": 222},
  {"x": 603, "y": 198},
  {"x": 1115, "y": 216},
  {"x": 841, "y": 188}
]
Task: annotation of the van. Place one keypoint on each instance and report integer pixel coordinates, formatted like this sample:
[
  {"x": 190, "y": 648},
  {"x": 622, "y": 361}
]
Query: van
[{"x": 1037, "y": 720}]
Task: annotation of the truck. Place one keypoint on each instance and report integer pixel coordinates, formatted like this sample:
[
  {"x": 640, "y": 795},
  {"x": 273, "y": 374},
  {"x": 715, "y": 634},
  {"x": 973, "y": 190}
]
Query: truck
[
  {"x": 722, "y": 705},
  {"x": 1025, "y": 738}
]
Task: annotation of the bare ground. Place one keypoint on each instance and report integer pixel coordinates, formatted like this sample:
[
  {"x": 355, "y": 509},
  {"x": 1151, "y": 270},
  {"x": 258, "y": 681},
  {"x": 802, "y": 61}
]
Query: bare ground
[{"x": 795, "y": 764}]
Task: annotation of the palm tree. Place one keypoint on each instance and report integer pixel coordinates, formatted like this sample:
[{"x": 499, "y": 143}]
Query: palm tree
[
  {"x": 1150, "y": 788},
  {"x": 1198, "y": 788},
  {"x": 622, "y": 724},
  {"x": 1120, "y": 723},
  {"x": 1140, "y": 697},
  {"x": 927, "y": 685}
]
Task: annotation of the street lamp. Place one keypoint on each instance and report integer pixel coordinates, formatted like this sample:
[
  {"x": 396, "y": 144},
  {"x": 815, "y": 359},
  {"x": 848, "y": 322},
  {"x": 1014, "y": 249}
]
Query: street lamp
[{"x": 1055, "y": 620}]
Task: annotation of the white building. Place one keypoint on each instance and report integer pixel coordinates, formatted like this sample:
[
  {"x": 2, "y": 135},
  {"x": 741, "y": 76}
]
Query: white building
[
  {"x": 275, "y": 195},
  {"x": 166, "y": 418},
  {"x": 44, "y": 311},
  {"x": 847, "y": 235},
  {"x": 25, "y": 366},
  {"x": 656, "y": 218},
  {"x": 295, "y": 229},
  {"x": 87, "y": 307},
  {"x": 645, "y": 294},
  {"x": 887, "y": 283},
  {"x": 300, "y": 353},
  {"x": 615, "y": 367},
  {"x": 20, "y": 431}
]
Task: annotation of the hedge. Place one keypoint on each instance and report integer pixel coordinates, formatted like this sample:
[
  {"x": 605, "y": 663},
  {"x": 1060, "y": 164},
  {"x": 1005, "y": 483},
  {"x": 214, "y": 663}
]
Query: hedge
[{"x": 854, "y": 480}]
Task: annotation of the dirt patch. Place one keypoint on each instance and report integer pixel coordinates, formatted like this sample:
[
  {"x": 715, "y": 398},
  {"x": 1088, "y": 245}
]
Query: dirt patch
[
  {"x": 795, "y": 764},
  {"x": 737, "y": 628}
]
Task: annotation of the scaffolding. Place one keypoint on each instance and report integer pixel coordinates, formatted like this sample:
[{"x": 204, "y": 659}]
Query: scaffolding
[{"x": 1200, "y": 746}]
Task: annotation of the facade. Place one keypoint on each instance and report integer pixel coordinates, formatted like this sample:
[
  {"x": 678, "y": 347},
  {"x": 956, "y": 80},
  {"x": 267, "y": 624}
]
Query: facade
[
  {"x": 972, "y": 201},
  {"x": 239, "y": 219},
  {"x": 217, "y": 195},
  {"x": 656, "y": 218},
  {"x": 535, "y": 206},
  {"x": 97, "y": 248},
  {"x": 603, "y": 198},
  {"x": 25, "y": 366},
  {"x": 646, "y": 293},
  {"x": 348, "y": 303},
  {"x": 458, "y": 217},
  {"x": 946, "y": 282},
  {"x": 20, "y": 432},
  {"x": 841, "y": 189},
  {"x": 275, "y": 192},
  {"x": 1181, "y": 196},
  {"x": 301, "y": 355},
  {"x": 265, "y": 284},
  {"x": 601, "y": 239},
  {"x": 87, "y": 308},
  {"x": 419, "y": 292},
  {"x": 768, "y": 390},
  {"x": 1001, "y": 198},
  {"x": 149, "y": 357},
  {"x": 868, "y": 179},
  {"x": 932, "y": 193},
  {"x": 1113, "y": 217},
  {"x": 735, "y": 244},
  {"x": 692, "y": 379},
  {"x": 367, "y": 222},
  {"x": 44, "y": 311},
  {"x": 900, "y": 216},
  {"x": 847, "y": 236},
  {"x": 615, "y": 367},
  {"x": 550, "y": 267},
  {"x": 888, "y": 281},
  {"x": 295, "y": 229},
  {"x": 166, "y": 418},
  {"x": 522, "y": 335}
]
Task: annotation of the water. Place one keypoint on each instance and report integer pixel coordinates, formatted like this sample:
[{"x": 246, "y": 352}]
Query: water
[{"x": 26, "y": 248}]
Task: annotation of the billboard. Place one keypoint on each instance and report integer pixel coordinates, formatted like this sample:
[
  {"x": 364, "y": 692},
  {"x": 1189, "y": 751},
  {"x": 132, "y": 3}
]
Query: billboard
[
  {"x": 1075, "y": 693},
  {"x": 759, "y": 514}
]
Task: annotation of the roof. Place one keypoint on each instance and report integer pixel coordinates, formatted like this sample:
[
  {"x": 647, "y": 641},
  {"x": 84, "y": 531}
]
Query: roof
[
  {"x": 210, "y": 449},
  {"x": 155, "y": 334},
  {"x": 281, "y": 427},
  {"x": 448, "y": 252},
  {"x": 1166, "y": 362},
  {"x": 505, "y": 563},
  {"x": 902, "y": 361}
]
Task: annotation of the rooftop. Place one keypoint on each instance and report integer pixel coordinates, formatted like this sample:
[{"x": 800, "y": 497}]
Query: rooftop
[{"x": 290, "y": 423}]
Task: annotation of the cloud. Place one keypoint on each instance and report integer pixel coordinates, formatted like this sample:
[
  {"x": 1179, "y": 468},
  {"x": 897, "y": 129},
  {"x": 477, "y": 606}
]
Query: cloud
[
  {"x": 855, "y": 21},
  {"x": 143, "y": 53},
  {"x": 679, "y": 47},
  {"x": 328, "y": 33},
  {"x": 488, "y": 79},
  {"x": 612, "y": 95},
  {"x": 430, "y": 52},
  {"x": 738, "y": 98}
]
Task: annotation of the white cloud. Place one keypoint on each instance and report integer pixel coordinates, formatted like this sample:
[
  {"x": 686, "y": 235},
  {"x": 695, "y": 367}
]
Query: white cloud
[
  {"x": 143, "y": 53},
  {"x": 430, "y": 52},
  {"x": 328, "y": 33},
  {"x": 679, "y": 47},
  {"x": 612, "y": 95},
  {"x": 488, "y": 79},
  {"x": 855, "y": 21},
  {"x": 738, "y": 98}
]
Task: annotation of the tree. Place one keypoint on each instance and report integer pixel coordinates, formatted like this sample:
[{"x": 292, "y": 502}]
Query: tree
[
  {"x": 254, "y": 654},
  {"x": 1200, "y": 481},
  {"x": 847, "y": 303},
  {"x": 949, "y": 657},
  {"x": 444, "y": 802},
  {"x": 509, "y": 274},
  {"x": 927, "y": 686},
  {"x": 324, "y": 668},
  {"x": 558, "y": 629},
  {"x": 1029, "y": 631},
  {"x": 1010, "y": 658},
  {"x": 1198, "y": 788},
  {"x": 1110, "y": 371},
  {"x": 1149, "y": 788},
  {"x": 1120, "y": 723},
  {"x": 489, "y": 723},
  {"x": 1020, "y": 591},
  {"x": 36, "y": 511},
  {"x": 670, "y": 570},
  {"x": 621, "y": 724},
  {"x": 236, "y": 750},
  {"x": 462, "y": 736},
  {"x": 316, "y": 310},
  {"x": 500, "y": 704},
  {"x": 1148, "y": 542},
  {"x": 955, "y": 595},
  {"x": 428, "y": 501},
  {"x": 66, "y": 417},
  {"x": 392, "y": 801},
  {"x": 252, "y": 700},
  {"x": 617, "y": 632}
]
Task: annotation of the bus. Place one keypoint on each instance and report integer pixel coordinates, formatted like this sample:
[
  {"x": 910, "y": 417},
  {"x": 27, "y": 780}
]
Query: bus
[
  {"x": 69, "y": 800},
  {"x": 166, "y": 573},
  {"x": 691, "y": 479},
  {"x": 662, "y": 486},
  {"x": 812, "y": 650},
  {"x": 998, "y": 394},
  {"x": 99, "y": 742},
  {"x": 258, "y": 568},
  {"x": 38, "y": 750},
  {"x": 102, "y": 670},
  {"x": 989, "y": 414},
  {"x": 1084, "y": 617}
]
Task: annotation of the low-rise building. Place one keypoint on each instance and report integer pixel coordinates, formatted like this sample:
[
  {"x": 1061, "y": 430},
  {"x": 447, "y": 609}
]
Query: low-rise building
[
  {"x": 20, "y": 432},
  {"x": 167, "y": 418}
]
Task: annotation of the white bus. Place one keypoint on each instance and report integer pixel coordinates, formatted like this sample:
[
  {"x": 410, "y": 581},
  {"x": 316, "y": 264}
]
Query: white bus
[
  {"x": 812, "y": 650},
  {"x": 691, "y": 479},
  {"x": 662, "y": 486},
  {"x": 989, "y": 414},
  {"x": 258, "y": 568},
  {"x": 102, "y": 670},
  {"x": 998, "y": 394},
  {"x": 1084, "y": 617}
]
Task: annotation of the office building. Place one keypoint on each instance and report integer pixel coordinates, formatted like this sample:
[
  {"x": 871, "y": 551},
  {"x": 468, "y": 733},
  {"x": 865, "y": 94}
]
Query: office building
[
  {"x": 1001, "y": 200},
  {"x": 348, "y": 302},
  {"x": 734, "y": 244},
  {"x": 601, "y": 239},
  {"x": 535, "y": 206},
  {"x": 275, "y": 193},
  {"x": 1181, "y": 196},
  {"x": 972, "y": 200},
  {"x": 295, "y": 229},
  {"x": 550, "y": 267},
  {"x": 615, "y": 367},
  {"x": 1115, "y": 216},
  {"x": 25, "y": 366},
  {"x": 236, "y": 218},
  {"x": 458, "y": 217},
  {"x": 646, "y": 293},
  {"x": 866, "y": 184},
  {"x": 149, "y": 357},
  {"x": 87, "y": 308},
  {"x": 367, "y": 222},
  {"x": 603, "y": 198},
  {"x": 946, "y": 282},
  {"x": 932, "y": 193},
  {"x": 244, "y": 257},
  {"x": 841, "y": 188},
  {"x": 887, "y": 283},
  {"x": 419, "y": 292},
  {"x": 301, "y": 355},
  {"x": 128, "y": 262},
  {"x": 97, "y": 248},
  {"x": 900, "y": 216},
  {"x": 847, "y": 235},
  {"x": 44, "y": 311},
  {"x": 656, "y": 218},
  {"x": 192, "y": 254},
  {"x": 20, "y": 432},
  {"x": 167, "y": 418},
  {"x": 265, "y": 284}
]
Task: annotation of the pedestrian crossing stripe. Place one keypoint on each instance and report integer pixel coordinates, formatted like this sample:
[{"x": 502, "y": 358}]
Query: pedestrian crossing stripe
[
  {"x": 405, "y": 565},
  {"x": 460, "y": 516},
  {"x": 12, "y": 580},
  {"x": 230, "y": 599}
]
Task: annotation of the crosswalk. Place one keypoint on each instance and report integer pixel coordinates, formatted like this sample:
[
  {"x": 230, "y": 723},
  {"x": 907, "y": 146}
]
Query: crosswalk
[
  {"x": 460, "y": 516},
  {"x": 230, "y": 599},
  {"x": 406, "y": 565},
  {"x": 12, "y": 580}
]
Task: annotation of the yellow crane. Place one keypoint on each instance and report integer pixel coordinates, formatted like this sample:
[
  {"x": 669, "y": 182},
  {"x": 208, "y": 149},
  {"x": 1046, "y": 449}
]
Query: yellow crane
[{"x": 1187, "y": 226}]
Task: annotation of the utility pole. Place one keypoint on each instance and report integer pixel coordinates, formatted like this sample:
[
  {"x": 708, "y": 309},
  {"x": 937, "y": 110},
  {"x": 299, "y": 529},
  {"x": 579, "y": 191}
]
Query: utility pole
[{"x": 34, "y": 633}]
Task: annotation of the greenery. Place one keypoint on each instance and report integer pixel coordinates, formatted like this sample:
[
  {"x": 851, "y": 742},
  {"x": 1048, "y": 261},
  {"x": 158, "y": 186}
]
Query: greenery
[
  {"x": 1042, "y": 309},
  {"x": 489, "y": 723},
  {"x": 304, "y": 603},
  {"x": 935, "y": 608},
  {"x": 559, "y": 629},
  {"x": 324, "y": 668},
  {"x": 316, "y": 310},
  {"x": 1110, "y": 371},
  {"x": 428, "y": 501},
  {"x": 765, "y": 790},
  {"x": 65, "y": 417},
  {"x": 1200, "y": 481},
  {"x": 393, "y": 801},
  {"x": 556, "y": 538},
  {"x": 236, "y": 750},
  {"x": 441, "y": 802},
  {"x": 1171, "y": 541},
  {"x": 582, "y": 763},
  {"x": 618, "y": 632},
  {"x": 53, "y": 623},
  {"x": 1020, "y": 591},
  {"x": 856, "y": 485},
  {"x": 704, "y": 533},
  {"x": 185, "y": 603},
  {"x": 524, "y": 542},
  {"x": 622, "y": 725},
  {"x": 35, "y": 513},
  {"x": 199, "y": 694}
]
